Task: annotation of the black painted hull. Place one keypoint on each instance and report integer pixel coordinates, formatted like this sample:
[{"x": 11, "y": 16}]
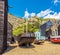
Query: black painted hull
[{"x": 26, "y": 39}]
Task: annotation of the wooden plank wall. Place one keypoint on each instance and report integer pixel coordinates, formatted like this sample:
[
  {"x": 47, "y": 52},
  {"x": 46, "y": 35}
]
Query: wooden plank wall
[{"x": 3, "y": 26}]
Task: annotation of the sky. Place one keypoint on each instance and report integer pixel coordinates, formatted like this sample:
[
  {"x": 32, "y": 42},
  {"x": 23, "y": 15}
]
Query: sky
[{"x": 39, "y": 8}]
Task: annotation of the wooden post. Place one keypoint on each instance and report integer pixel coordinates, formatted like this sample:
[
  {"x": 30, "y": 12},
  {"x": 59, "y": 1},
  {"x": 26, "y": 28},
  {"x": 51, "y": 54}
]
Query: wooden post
[{"x": 3, "y": 25}]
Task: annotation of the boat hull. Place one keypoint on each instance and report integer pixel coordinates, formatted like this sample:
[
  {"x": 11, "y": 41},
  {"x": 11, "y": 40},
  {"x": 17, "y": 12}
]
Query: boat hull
[
  {"x": 55, "y": 39},
  {"x": 26, "y": 40}
]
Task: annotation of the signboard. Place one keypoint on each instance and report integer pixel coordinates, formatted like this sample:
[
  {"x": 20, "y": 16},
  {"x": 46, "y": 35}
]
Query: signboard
[{"x": 3, "y": 18}]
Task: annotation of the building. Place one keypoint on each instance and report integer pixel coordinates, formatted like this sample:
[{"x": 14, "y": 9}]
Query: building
[
  {"x": 55, "y": 36},
  {"x": 50, "y": 28},
  {"x": 3, "y": 25},
  {"x": 45, "y": 27},
  {"x": 9, "y": 33},
  {"x": 55, "y": 29},
  {"x": 38, "y": 36}
]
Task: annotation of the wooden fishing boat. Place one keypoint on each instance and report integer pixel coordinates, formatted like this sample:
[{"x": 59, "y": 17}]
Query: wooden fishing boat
[
  {"x": 26, "y": 38},
  {"x": 55, "y": 39}
]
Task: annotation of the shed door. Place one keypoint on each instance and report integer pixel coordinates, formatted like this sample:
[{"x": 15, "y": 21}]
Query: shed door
[{"x": 48, "y": 33}]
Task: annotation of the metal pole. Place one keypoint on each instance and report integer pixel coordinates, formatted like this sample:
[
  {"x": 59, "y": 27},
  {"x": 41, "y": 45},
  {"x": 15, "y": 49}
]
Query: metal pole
[
  {"x": 23, "y": 24},
  {"x": 26, "y": 25}
]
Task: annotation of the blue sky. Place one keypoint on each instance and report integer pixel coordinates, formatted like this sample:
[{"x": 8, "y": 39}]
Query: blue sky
[{"x": 34, "y": 7}]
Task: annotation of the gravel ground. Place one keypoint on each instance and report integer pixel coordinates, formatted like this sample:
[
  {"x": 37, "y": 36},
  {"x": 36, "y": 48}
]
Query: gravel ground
[{"x": 46, "y": 48}]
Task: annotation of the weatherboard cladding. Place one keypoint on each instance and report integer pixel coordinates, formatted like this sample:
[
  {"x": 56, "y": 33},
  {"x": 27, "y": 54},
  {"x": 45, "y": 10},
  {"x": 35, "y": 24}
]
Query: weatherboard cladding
[
  {"x": 59, "y": 22},
  {"x": 46, "y": 26},
  {"x": 43, "y": 28},
  {"x": 9, "y": 32},
  {"x": 51, "y": 28},
  {"x": 3, "y": 26}
]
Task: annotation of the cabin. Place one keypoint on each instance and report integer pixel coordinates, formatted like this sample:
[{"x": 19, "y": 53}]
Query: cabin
[
  {"x": 46, "y": 29},
  {"x": 55, "y": 29},
  {"x": 50, "y": 28},
  {"x": 55, "y": 37},
  {"x": 9, "y": 33},
  {"x": 38, "y": 36}
]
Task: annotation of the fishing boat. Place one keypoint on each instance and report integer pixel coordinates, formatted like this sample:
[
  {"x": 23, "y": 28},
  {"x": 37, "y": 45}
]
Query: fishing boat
[
  {"x": 55, "y": 39},
  {"x": 26, "y": 38}
]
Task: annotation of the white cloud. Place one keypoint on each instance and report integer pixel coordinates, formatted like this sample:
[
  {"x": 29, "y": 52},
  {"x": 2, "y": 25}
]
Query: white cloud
[
  {"x": 32, "y": 14},
  {"x": 44, "y": 13},
  {"x": 56, "y": 1},
  {"x": 26, "y": 14},
  {"x": 47, "y": 14},
  {"x": 55, "y": 15}
]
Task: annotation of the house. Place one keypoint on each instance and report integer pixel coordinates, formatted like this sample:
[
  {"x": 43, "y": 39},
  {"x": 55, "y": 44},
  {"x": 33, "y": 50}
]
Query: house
[
  {"x": 50, "y": 28},
  {"x": 55, "y": 29},
  {"x": 45, "y": 29},
  {"x": 38, "y": 36},
  {"x": 55, "y": 37}
]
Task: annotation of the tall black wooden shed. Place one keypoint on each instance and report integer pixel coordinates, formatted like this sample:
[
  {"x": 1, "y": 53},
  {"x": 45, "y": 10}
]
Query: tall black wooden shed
[
  {"x": 46, "y": 26},
  {"x": 3, "y": 25}
]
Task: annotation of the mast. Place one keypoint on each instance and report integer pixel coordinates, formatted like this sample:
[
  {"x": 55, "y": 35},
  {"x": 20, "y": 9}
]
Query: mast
[
  {"x": 26, "y": 25},
  {"x": 26, "y": 16},
  {"x": 23, "y": 24}
]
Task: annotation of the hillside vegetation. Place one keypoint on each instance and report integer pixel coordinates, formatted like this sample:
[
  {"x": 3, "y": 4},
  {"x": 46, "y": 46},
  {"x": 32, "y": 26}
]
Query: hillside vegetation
[{"x": 19, "y": 24}]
